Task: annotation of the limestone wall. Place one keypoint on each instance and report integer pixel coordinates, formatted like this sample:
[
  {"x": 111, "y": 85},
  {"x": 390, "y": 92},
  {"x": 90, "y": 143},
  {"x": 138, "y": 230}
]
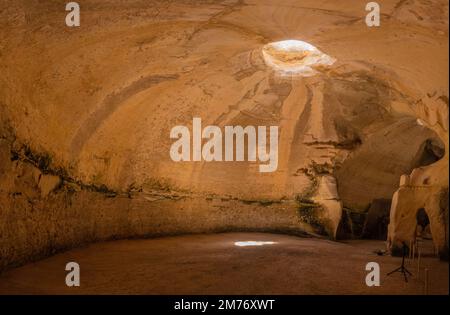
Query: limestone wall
[{"x": 42, "y": 213}]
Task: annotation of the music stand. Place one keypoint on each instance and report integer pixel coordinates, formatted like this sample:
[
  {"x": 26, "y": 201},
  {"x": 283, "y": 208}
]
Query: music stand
[{"x": 402, "y": 269}]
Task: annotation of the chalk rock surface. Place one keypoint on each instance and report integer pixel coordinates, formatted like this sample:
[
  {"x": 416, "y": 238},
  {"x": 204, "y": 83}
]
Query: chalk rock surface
[{"x": 95, "y": 104}]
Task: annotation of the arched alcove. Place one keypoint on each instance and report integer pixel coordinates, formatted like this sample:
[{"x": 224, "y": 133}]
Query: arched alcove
[{"x": 423, "y": 224}]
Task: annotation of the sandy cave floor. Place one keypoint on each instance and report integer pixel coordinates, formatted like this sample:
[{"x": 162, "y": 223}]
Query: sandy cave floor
[{"x": 213, "y": 264}]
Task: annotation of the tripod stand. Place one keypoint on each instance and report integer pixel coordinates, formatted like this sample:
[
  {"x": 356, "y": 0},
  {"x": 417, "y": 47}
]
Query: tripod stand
[{"x": 402, "y": 269}]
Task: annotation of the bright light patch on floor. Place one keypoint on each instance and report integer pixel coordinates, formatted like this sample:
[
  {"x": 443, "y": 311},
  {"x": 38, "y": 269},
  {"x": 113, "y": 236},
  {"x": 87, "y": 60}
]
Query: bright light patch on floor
[
  {"x": 295, "y": 58},
  {"x": 253, "y": 243}
]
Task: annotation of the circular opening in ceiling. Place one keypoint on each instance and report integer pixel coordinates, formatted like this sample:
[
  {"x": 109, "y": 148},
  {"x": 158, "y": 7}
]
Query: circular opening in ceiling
[{"x": 295, "y": 57}]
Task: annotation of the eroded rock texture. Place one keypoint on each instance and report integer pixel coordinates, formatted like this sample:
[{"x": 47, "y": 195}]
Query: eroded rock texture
[{"x": 87, "y": 112}]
